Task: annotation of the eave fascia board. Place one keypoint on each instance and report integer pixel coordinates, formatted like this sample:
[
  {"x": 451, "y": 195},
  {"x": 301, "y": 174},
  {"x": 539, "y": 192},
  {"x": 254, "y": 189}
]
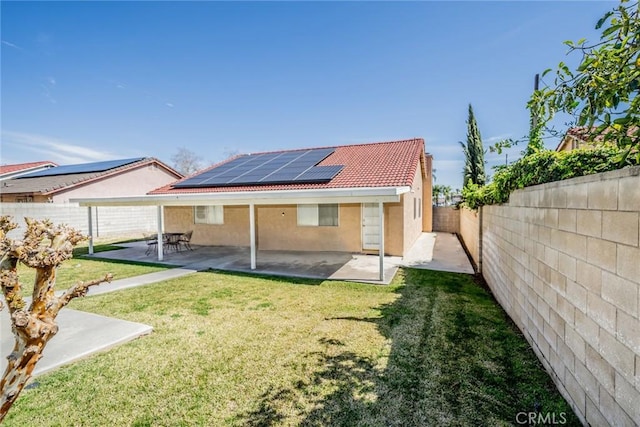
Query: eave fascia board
[{"x": 332, "y": 195}]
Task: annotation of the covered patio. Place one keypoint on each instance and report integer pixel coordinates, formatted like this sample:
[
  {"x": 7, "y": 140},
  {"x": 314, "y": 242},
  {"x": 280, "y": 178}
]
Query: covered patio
[
  {"x": 307, "y": 264},
  {"x": 433, "y": 251},
  {"x": 242, "y": 258}
]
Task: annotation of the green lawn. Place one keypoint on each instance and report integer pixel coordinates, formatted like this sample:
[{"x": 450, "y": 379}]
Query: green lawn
[
  {"x": 82, "y": 269},
  {"x": 229, "y": 349}
]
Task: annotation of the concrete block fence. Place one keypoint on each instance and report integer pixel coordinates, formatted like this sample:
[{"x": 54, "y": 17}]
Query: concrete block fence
[
  {"x": 107, "y": 221},
  {"x": 563, "y": 260}
]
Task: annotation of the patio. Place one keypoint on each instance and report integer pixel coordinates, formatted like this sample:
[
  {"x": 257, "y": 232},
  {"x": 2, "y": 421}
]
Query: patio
[{"x": 445, "y": 255}]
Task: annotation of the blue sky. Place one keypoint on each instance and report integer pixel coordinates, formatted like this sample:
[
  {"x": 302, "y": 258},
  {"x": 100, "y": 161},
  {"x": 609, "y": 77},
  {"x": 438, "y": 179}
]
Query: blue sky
[{"x": 90, "y": 81}]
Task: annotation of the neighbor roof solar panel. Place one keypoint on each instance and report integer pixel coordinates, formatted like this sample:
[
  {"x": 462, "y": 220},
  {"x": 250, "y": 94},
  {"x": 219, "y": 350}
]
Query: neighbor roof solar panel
[
  {"x": 82, "y": 168},
  {"x": 268, "y": 168}
]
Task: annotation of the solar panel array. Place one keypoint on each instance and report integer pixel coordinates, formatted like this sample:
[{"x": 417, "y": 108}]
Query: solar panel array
[
  {"x": 82, "y": 168},
  {"x": 289, "y": 167}
]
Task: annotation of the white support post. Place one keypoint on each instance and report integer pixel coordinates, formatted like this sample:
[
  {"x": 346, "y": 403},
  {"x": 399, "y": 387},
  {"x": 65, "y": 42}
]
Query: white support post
[
  {"x": 381, "y": 244},
  {"x": 90, "y": 231},
  {"x": 160, "y": 232},
  {"x": 252, "y": 234}
]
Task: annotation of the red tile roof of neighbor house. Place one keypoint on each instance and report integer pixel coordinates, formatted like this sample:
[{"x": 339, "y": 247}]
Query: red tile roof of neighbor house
[
  {"x": 381, "y": 164},
  {"x": 5, "y": 169}
]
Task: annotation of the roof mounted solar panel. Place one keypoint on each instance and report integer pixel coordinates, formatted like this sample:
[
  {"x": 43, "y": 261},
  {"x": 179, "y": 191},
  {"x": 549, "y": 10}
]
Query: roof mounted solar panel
[
  {"x": 319, "y": 173},
  {"x": 82, "y": 168},
  {"x": 267, "y": 168}
]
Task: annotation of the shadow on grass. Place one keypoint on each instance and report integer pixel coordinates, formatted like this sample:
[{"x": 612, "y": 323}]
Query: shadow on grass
[
  {"x": 455, "y": 359},
  {"x": 268, "y": 277}
]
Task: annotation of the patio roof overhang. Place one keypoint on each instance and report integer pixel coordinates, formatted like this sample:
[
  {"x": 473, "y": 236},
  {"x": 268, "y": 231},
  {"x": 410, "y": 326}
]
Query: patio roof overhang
[
  {"x": 272, "y": 197},
  {"x": 378, "y": 195}
]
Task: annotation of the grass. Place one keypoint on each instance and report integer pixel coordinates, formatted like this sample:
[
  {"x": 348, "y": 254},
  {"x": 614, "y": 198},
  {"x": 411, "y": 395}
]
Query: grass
[
  {"x": 79, "y": 269},
  {"x": 433, "y": 348}
]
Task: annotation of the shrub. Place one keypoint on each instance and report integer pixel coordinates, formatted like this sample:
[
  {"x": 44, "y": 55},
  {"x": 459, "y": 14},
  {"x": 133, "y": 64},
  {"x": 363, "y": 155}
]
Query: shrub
[{"x": 539, "y": 168}]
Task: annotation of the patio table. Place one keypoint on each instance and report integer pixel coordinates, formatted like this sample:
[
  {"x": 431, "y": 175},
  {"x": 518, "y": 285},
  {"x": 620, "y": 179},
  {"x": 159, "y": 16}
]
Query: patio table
[{"x": 172, "y": 240}]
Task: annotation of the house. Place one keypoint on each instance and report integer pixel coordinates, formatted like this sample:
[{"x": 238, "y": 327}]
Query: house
[
  {"x": 585, "y": 137},
  {"x": 366, "y": 198},
  {"x": 58, "y": 184},
  {"x": 12, "y": 171}
]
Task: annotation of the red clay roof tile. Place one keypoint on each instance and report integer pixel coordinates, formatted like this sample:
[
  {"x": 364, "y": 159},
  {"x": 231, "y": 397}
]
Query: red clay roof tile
[{"x": 381, "y": 164}]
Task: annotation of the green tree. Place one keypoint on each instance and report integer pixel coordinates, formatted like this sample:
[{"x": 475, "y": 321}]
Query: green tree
[
  {"x": 473, "y": 172},
  {"x": 602, "y": 93}
]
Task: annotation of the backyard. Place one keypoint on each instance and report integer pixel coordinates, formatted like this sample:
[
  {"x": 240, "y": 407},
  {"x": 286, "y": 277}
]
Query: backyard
[{"x": 432, "y": 348}]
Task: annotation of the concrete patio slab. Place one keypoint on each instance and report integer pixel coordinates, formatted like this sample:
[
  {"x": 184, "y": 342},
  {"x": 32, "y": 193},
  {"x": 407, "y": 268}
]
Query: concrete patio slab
[
  {"x": 307, "y": 264},
  {"x": 81, "y": 334}
]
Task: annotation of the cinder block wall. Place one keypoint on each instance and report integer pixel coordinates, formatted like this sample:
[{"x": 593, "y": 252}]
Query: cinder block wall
[
  {"x": 107, "y": 221},
  {"x": 446, "y": 219},
  {"x": 470, "y": 233},
  {"x": 563, "y": 259}
]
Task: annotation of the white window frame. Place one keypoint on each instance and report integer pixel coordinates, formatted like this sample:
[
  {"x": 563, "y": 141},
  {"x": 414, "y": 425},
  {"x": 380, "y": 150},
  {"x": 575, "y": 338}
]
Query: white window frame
[
  {"x": 309, "y": 215},
  {"x": 208, "y": 214}
]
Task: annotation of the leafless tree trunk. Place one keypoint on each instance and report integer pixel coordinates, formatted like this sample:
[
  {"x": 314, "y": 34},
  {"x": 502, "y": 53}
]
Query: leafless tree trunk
[{"x": 44, "y": 248}]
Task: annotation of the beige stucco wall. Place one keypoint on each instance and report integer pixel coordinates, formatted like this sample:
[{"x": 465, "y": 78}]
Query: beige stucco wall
[
  {"x": 413, "y": 210},
  {"x": 427, "y": 195},
  {"x": 563, "y": 259},
  {"x": 131, "y": 183},
  {"x": 446, "y": 219},
  {"x": 234, "y": 231},
  {"x": 470, "y": 233},
  {"x": 277, "y": 229}
]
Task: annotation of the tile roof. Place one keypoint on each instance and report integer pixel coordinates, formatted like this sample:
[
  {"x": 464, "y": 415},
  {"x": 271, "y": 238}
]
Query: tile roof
[
  {"x": 380, "y": 164},
  {"x": 47, "y": 185},
  {"x": 587, "y": 136},
  {"x": 7, "y": 169}
]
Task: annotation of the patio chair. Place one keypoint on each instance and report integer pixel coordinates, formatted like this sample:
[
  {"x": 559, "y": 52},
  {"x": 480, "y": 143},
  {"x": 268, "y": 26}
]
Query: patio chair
[
  {"x": 152, "y": 243},
  {"x": 172, "y": 241},
  {"x": 185, "y": 240}
]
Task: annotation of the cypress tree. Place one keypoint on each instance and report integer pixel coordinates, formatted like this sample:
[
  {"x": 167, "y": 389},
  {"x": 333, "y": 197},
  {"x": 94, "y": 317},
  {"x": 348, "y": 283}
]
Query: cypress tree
[{"x": 473, "y": 172}]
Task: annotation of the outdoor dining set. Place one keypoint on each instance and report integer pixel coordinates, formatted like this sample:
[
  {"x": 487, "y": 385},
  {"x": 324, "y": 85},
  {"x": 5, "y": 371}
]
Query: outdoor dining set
[{"x": 171, "y": 241}]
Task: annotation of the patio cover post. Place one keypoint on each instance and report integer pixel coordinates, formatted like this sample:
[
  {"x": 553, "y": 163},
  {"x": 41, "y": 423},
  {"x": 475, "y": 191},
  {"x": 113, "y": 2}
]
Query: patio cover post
[
  {"x": 381, "y": 245},
  {"x": 160, "y": 228},
  {"x": 90, "y": 231},
  {"x": 252, "y": 234}
]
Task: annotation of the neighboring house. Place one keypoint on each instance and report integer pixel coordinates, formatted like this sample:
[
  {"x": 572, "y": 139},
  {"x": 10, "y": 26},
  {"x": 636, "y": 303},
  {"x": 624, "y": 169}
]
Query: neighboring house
[
  {"x": 585, "y": 137},
  {"x": 125, "y": 177},
  {"x": 12, "y": 171},
  {"x": 324, "y": 199}
]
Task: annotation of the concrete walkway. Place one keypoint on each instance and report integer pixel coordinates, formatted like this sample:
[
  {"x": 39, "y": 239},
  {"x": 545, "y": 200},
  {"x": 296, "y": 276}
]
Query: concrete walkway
[
  {"x": 438, "y": 251},
  {"x": 82, "y": 334}
]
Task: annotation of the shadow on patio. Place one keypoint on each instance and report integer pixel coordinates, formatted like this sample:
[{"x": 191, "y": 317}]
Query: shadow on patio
[{"x": 315, "y": 265}]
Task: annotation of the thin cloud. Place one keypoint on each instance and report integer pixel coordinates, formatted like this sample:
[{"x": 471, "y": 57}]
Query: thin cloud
[
  {"x": 54, "y": 149},
  {"x": 168, "y": 104},
  {"x": 6, "y": 43}
]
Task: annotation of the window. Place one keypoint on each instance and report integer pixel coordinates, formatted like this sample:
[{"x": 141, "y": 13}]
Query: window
[
  {"x": 209, "y": 214},
  {"x": 415, "y": 208},
  {"x": 318, "y": 215},
  {"x": 420, "y": 207}
]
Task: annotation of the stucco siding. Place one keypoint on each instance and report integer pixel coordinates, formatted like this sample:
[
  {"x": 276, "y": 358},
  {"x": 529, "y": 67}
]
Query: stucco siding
[
  {"x": 234, "y": 231},
  {"x": 427, "y": 196},
  {"x": 131, "y": 183},
  {"x": 278, "y": 229},
  {"x": 413, "y": 211}
]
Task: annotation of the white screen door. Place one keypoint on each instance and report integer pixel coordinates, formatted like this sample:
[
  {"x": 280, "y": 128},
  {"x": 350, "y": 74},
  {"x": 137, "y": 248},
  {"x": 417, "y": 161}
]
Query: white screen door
[{"x": 370, "y": 226}]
